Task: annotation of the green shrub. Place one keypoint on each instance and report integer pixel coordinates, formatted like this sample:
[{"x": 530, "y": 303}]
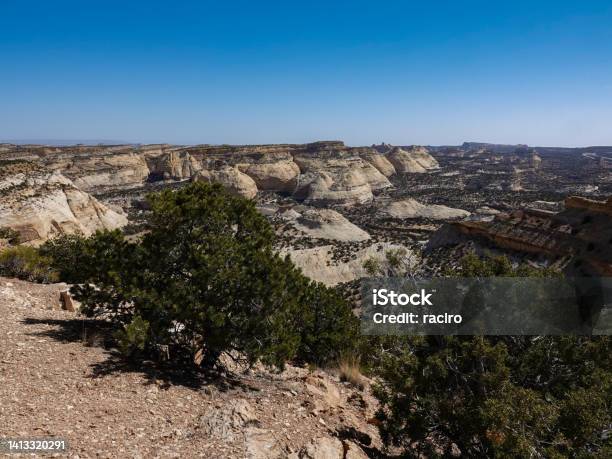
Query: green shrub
[
  {"x": 497, "y": 396},
  {"x": 28, "y": 264},
  {"x": 206, "y": 280},
  {"x": 10, "y": 235},
  {"x": 67, "y": 253},
  {"x": 132, "y": 339}
]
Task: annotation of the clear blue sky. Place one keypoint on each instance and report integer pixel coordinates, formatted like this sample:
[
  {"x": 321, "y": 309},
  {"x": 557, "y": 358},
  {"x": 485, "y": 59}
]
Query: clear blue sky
[{"x": 427, "y": 72}]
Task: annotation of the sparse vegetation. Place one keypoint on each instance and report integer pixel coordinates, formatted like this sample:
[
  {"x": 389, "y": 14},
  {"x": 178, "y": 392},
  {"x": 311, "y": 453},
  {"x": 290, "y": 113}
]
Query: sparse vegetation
[
  {"x": 349, "y": 370},
  {"x": 10, "y": 235},
  {"x": 27, "y": 263},
  {"x": 398, "y": 262}
]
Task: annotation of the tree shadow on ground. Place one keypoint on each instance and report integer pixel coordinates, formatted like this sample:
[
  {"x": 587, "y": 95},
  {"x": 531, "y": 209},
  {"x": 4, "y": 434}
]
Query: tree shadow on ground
[{"x": 165, "y": 373}]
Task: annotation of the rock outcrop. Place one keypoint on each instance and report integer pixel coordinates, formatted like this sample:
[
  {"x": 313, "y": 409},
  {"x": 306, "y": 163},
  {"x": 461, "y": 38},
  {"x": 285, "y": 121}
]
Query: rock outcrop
[
  {"x": 318, "y": 264},
  {"x": 332, "y": 181},
  {"x": 380, "y": 162},
  {"x": 39, "y": 204},
  {"x": 173, "y": 165},
  {"x": 346, "y": 188},
  {"x": 104, "y": 171},
  {"x": 322, "y": 448},
  {"x": 280, "y": 176},
  {"x": 231, "y": 178},
  {"x": 578, "y": 238},
  {"x": 414, "y": 160},
  {"x": 411, "y": 208},
  {"x": 325, "y": 224}
]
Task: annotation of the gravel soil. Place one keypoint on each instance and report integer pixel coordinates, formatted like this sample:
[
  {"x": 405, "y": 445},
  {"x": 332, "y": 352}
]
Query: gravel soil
[{"x": 58, "y": 380}]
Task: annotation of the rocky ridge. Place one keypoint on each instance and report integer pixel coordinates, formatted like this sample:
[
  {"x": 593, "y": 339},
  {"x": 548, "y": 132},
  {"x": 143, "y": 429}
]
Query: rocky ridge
[{"x": 321, "y": 173}]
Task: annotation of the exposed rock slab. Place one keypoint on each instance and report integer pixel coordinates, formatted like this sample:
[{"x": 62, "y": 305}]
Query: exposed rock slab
[
  {"x": 325, "y": 224},
  {"x": 104, "y": 171},
  {"x": 323, "y": 448},
  {"x": 380, "y": 162},
  {"x": 411, "y": 208},
  {"x": 317, "y": 262}
]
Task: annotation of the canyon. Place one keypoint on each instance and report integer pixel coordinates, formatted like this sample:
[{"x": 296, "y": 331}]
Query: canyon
[{"x": 333, "y": 206}]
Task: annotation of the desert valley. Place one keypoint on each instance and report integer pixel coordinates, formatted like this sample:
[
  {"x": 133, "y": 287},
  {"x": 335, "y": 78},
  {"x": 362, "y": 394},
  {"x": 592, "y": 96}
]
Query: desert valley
[{"x": 336, "y": 210}]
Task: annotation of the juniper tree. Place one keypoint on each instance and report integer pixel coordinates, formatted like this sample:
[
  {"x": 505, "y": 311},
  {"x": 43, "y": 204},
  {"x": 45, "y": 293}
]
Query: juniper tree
[
  {"x": 504, "y": 396},
  {"x": 205, "y": 277}
]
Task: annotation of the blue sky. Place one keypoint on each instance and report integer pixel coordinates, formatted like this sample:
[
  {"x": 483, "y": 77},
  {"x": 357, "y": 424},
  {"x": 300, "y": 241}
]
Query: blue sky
[{"x": 435, "y": 72}]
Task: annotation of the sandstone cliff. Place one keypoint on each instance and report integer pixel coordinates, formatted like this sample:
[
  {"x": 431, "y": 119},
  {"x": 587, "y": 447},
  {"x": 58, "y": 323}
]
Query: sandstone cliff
[
  {"x": 380, "y": 162},
  {"x": 280, "y": 176},
  {"x": 577, "y": 238},
  {"x": 175, "y": 165},
  {"x": 93, "y": 172},
  {"x": 416, "y": 159},
  {"x": 231, "y": 178},
  {"x": 39, "y": 204}
]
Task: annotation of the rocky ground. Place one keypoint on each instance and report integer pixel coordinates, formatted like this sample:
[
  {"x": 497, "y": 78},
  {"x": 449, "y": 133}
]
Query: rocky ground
[{"x": 57, "y": 379}]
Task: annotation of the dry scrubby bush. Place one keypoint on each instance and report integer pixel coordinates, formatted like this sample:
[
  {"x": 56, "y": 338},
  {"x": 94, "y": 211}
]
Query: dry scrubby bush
[
  {"x": 9, "y": 235},
  {"x": 28, "y": 264},
  {"x": 205, "y": 280},
  {"x": 349, "y": 370}
]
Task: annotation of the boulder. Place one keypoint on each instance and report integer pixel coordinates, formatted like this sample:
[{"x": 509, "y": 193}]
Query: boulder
[
  {"x": 262, "y": 444},
  {"x": 414, "y": 160},
  {"x": 353, "y": 451},
  {"x": 323, "y": 448},
  {"x": 231, "y": 178},
  {"x": 228, "y": 422},
  {"x": 67, "y": 303},
  {"x": 325, "y": 392},
  {"x": 411, "y": 208}
]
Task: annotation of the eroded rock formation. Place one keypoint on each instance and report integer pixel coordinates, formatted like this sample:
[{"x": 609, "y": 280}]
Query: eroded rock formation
[
  {"x": 411, "y": 208},
  {"x": 232, "y": 179},
  {"x": 40, "y": 204},
  {"x": 578, "y": 238},
  {"x": 413, "y": 160},
  {"x": 173, "y": 165},
  {"x": 280, "y": 176},
  {"x": 318, "y": 264},
  {"x": 325, "y": 224}
]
